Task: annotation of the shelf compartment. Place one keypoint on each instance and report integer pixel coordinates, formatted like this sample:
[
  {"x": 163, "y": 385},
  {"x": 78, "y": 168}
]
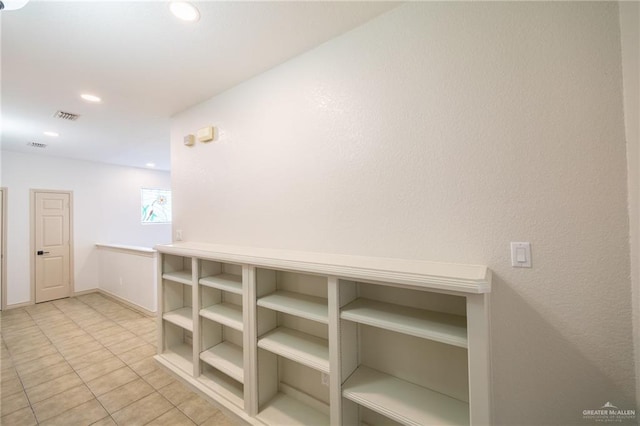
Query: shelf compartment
[
  {"x": 402, "y": 401},
  {"x": 181, "y": 317},
  {"x": 182, "y": 277},
  {"x": 440, "y": 327},
  {"x": 285, "y": 410},
  {"x": 224, "y": 385},
  {"x": 297, "y": 346},
  {"x": 301, "y": 305},
  {"x": 181, "y": 356},
  {"x": 226, "y": 282},
  {"x": 227, "y": 358},
  {"x": 224, "y": 313}
]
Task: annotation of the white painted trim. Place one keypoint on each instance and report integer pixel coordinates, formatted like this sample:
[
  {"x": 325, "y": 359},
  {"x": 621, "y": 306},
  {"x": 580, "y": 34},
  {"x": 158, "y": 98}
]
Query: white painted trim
[
  {"x": 18, "y": 305},
  {"x": 84, "y": 292},
  {"x": 461, "y": 278},
  {"x": 3, "y": 242},
  {"x": 123, "y": 301},
  {"x": 135, "y": 250}
]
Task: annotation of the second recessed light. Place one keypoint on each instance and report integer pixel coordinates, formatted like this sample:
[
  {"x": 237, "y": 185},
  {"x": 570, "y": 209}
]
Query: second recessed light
[
  {"x": 90, "y": 98},
  {"x": 184, "y": 10}
]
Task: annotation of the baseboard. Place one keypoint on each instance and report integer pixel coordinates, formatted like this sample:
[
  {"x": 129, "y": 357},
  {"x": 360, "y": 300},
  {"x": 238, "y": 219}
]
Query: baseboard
[
  {"x": 83, "y": 292},
  {"x": 105, "y": 293},
  {"x": 127, "y": 303},
  {"x": 18, "y": 305}
]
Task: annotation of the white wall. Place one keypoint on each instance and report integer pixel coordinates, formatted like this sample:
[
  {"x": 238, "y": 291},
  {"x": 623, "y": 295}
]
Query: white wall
[
  {"x": 630, "y": 42},
  {"x": 129, "y": 273},
  {"x": 106, "y": 209},
  {"x": 443, "y": 131}
]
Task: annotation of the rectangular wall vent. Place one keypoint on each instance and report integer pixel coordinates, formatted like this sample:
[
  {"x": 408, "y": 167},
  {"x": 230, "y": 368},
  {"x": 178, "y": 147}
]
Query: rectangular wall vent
[
  {"x": 66, "y": 115},
  {"x": 37, "y": 144}
]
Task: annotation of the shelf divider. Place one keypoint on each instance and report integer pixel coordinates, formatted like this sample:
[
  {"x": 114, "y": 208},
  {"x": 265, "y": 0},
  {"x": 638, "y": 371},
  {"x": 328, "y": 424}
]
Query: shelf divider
[
  {"x": 297, "y": 346},
  {"x": 227, "y": 358},
  {"x": 225, "y": 313},
  {"x": 226, "y": 282},
  {"x": 440, "y": 327},
  {"x": 182, "y": 277},
  {"x": 180, "y": 356},
  {"x": 285, "y": 410},
  {"x": 181, "y": 317},
  {"x": 301, "y": 305},
  {"x": 402, "y": 401}
]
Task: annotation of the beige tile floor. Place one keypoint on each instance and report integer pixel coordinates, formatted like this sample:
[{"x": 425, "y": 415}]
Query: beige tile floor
[{"x": 88, "y": 361}]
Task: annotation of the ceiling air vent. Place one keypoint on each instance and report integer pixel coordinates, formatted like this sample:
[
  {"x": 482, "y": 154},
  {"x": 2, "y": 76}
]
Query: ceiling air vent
[
  {"x": 37, "y": 144},
  {"x": 66, "y": 116}
]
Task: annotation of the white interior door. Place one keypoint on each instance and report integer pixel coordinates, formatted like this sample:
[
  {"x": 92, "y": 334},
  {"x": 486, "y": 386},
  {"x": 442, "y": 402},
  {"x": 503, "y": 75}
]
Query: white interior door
[{"x": 53, "y": 246}]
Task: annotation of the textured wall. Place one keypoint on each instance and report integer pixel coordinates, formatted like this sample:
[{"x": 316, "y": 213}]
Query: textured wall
[
  {"x": 443, "y": 131},
  {"x": 630, "y": 43},
  {"x": 106, "y": 209}
]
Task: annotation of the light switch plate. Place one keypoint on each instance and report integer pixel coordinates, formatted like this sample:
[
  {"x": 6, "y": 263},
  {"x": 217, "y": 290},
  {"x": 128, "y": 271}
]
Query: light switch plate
[{"x": 521, "y": 255}]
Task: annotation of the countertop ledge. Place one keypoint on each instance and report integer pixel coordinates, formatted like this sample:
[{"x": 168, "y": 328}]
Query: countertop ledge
[
  {"x": 445, "y": 276},
  {"x": 126, "y": 247}
]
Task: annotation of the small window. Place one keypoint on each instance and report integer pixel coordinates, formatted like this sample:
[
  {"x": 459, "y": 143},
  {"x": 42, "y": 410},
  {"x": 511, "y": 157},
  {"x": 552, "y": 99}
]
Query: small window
[{"x": 156, "y": 205}]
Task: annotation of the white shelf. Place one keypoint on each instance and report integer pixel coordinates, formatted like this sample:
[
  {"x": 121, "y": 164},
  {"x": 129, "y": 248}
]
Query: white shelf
[
  {"x": 224, "y": 385},
  {"x": 227, "y": 358},
  {"x": 225, "y": 313},
  {"x": 226, "y": 282},
  {"x": 181, "y": 356},
  {"x": 181, "y": 317},
  {"x": 301, "y": 305},
  {"x": 284, "y": 410},
  {"x": 437, "y": 326},
  {"x": 402, "y": 401},
  {"x": 182, "y": 277},
  {"x": 297, "y": 346}
]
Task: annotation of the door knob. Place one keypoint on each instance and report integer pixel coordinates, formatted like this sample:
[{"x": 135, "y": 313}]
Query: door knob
[{"x": 40, "y": 252}]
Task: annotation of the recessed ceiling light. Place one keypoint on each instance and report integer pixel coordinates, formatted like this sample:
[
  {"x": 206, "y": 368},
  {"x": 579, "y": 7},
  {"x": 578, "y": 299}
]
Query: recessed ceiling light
[
  {"x": 12, "y": 4},
  {"x": 52, "y": 134},
  {"x": 151, "y": 164},
  {"x": 184, "y": 10},
  {"x": 90, "y": 98}
]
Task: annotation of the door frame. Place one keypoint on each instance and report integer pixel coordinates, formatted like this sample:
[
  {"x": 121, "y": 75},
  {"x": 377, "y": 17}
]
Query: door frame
[
  {"x": 32, "y": 238},
  {"x": 3, "y": 242}
]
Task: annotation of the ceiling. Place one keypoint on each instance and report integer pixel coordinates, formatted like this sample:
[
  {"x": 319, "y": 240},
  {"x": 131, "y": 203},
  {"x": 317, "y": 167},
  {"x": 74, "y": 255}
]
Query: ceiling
[{"x": 145, "y": 64}]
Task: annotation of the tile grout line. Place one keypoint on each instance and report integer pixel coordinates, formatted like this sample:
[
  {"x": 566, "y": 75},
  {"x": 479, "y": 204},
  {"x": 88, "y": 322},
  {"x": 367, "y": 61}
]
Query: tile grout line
[
  {"x": 52, "y": 343},
  {"x": 135, "y": 372},
  {"x": 37, "y": 319}
]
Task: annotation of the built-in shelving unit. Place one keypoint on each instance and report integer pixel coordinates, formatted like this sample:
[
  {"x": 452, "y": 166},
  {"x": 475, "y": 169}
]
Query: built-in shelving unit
[
  {"x": 293, "y": 340},
  {"x": 176, "y": 312},
  {"x": 314, "y": 339},
  {"x": 221, "y": 348}
]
